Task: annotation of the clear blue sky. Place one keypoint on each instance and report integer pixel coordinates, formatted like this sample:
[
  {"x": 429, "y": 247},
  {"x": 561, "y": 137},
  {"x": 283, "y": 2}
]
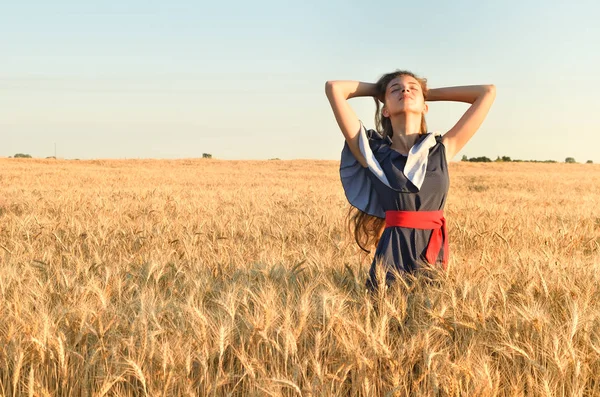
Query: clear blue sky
[{"x": 245, "y": 80}]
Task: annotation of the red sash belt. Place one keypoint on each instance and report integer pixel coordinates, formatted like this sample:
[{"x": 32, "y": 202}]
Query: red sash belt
[{"x": 424, "y": 220}]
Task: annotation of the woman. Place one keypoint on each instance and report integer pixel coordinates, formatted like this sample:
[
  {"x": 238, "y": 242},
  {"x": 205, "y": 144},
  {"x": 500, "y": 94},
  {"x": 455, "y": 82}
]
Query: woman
[{"x": 396, "y": 177}]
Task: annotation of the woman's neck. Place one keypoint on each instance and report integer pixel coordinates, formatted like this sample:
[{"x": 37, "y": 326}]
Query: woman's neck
[{"x": 406, "y": 127}]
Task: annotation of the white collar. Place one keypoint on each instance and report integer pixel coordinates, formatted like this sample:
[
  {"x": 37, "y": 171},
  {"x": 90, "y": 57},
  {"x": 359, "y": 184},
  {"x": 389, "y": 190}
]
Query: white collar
[{"x": 416, "y": 163}]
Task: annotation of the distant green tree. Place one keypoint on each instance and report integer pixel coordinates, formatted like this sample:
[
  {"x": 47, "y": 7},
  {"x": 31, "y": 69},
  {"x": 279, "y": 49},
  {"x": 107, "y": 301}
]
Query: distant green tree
[
  {"x": 570, "y": 160},
  {"x": 22, "y": 156},
  {"x": 589, "y": 162},
  {"x": 481, "y": 159},
  {"x": 464, "y": 158},
  {"x": 206, "y": 156}
]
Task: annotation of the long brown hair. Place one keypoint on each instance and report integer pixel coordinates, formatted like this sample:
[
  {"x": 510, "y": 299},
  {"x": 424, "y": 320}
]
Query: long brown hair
[{"x": 367, "y": 229}]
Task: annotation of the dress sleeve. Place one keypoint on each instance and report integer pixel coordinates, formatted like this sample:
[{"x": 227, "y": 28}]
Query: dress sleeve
[{"x": 356, "y": 181}]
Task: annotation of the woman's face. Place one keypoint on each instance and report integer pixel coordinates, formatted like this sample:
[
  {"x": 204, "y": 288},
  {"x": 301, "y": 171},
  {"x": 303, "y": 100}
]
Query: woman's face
[{"x": 402, "y": 95}]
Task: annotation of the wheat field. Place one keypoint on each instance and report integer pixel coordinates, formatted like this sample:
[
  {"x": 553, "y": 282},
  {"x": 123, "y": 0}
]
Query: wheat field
[{"x": 223, "y": 278}]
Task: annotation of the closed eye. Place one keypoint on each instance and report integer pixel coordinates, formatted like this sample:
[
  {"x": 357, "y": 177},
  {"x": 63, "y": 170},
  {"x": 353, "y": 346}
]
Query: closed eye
[{"x": 414, "y": 87}]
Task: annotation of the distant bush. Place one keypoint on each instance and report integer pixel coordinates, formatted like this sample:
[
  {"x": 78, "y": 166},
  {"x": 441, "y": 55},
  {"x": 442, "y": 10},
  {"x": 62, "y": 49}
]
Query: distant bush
[
  {"x": 506, "y": 159},
  {"x": 22, "y": 156},
  {"x": 481, "y": 159},
  {"x": 534, "y": 161},
  {"x": 589, "y": 162},
  {"x": 570, "y": 160},
  {"x": 206, "y": 156},
  {"x": 276, "y": 158}
]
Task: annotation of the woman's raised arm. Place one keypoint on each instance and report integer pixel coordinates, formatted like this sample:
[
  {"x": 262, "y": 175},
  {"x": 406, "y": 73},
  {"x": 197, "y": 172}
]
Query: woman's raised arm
[
  {"x": 338, "y": 92},
  {"x": 481, "y": 98}
]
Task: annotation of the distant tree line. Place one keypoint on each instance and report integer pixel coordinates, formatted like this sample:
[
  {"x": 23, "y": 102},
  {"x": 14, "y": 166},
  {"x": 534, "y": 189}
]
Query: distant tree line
[
  {"x": 482, "y": 159},
  {"x": 506, "y": 159}
]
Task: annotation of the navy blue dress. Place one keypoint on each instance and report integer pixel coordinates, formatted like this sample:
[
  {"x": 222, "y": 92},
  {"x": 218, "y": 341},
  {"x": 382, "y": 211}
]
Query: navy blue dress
[{"x": 366, "y": 189}]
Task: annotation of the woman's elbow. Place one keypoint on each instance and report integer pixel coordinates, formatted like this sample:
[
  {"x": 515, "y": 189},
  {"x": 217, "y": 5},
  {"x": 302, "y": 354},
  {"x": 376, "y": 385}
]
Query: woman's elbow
[
  {"x": 329, "y": 87},
  {"x": 332, "y": 88}
]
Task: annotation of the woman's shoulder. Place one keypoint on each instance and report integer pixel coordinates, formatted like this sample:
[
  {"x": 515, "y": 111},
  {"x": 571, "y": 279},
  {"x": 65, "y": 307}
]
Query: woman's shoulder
[
  {"x": 374, "y": 135},
  {"x": 377, "y": 141},
  {"x": 438, "y": 136}
]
